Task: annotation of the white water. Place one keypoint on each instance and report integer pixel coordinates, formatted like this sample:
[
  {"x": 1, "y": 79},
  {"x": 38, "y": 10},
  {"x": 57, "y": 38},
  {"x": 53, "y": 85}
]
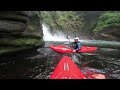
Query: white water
[{"x": 58, "y": 36}]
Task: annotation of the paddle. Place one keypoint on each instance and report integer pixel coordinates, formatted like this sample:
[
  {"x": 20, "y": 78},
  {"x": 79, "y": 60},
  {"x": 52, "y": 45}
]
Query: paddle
[{"x": 68, "y": 37}]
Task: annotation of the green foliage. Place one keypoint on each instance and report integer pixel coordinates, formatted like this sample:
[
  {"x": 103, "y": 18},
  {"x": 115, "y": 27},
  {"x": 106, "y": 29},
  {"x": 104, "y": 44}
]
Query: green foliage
[
  {"x": 108, "y": 19},
  {"x": 67, "y": 21}
]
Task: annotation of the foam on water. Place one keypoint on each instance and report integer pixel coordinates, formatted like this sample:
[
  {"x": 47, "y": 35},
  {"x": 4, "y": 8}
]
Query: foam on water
[{"x": 58, "y": 36}]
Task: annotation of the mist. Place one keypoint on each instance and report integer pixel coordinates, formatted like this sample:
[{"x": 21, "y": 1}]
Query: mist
[{"x": 58, "y": 36}]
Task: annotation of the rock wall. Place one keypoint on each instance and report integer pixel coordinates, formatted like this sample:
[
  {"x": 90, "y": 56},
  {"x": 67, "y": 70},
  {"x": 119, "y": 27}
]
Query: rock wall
[{"x": 20, "y": 30}]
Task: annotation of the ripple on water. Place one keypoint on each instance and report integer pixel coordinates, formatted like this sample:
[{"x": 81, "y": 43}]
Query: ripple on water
[{"x": 42, "y": 65}]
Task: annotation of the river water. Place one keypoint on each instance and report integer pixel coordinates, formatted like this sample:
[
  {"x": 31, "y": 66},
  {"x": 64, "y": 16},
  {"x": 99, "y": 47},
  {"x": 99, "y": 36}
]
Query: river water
[{"x": 41, "y": 63}]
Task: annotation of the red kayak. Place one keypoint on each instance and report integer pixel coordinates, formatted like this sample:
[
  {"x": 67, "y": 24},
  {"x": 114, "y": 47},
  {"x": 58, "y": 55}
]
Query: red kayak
[
  {"x": 63, "y": 49},
  {"x": 67, "y": 69}
]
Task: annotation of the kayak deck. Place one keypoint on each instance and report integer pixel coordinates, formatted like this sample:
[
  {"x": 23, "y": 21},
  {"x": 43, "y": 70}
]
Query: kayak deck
[
  {"x": 67, "y": 69},
  {"x": 64, "y": 49}
]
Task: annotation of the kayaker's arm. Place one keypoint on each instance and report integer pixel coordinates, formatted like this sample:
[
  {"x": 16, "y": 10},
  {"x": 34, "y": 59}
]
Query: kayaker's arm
[
  {"x": 71, "y": 45},
  {"x": 78, "y": 46}
]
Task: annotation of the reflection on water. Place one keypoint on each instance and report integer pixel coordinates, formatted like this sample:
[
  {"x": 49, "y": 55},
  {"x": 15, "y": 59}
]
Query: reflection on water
[{"x": 40, "y": 65}]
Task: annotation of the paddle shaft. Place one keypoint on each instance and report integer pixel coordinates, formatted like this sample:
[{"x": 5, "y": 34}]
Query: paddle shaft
[{"x": 68, "y": 37}]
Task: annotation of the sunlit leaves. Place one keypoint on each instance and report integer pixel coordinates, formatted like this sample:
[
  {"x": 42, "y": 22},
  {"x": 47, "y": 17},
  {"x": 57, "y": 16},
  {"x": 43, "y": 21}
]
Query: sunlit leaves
[{"x": 109, "y": 19}]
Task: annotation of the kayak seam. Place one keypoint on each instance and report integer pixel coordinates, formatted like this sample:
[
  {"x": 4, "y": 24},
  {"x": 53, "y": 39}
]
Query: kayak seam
[{"x": 58, "y": 75}]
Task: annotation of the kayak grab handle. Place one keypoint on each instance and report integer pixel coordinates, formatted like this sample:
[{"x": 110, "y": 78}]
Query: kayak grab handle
[{"x": 66, "y": 67}]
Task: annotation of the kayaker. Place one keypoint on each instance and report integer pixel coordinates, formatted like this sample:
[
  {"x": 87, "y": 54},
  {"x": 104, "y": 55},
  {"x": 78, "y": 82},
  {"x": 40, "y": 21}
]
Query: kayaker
[{"x": 76, "y": 44}]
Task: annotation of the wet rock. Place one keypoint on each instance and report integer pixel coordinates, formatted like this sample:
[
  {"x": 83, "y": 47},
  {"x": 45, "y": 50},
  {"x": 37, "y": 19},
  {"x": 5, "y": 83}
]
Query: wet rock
[
  {"x": 20, "y": 30},
  {"x": 114, "y": 76}
]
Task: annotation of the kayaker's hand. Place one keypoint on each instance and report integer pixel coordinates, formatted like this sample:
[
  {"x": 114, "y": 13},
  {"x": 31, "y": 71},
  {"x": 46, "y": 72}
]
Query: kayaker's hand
[
  {"x": 98, "y": 76},
  {"x": 74, "y": 51}
]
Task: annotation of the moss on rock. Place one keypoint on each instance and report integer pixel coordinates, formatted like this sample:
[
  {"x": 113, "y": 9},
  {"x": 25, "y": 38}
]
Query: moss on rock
[
  {"x": 10, "y": 49},
  {"x": 30, "y": 44},
  {"x": 23, "y": 41},
  {"x": 20, "y": 30},
  {"x": 108, "y": 20}
]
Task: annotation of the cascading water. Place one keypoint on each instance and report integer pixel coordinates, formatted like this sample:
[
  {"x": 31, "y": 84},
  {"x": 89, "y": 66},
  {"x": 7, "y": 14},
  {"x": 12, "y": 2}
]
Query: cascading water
[{"x": 59, "y": 36}]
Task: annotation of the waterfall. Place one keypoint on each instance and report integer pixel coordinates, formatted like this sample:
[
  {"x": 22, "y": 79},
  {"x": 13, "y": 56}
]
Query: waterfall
[{"x": 58, "y": 36}]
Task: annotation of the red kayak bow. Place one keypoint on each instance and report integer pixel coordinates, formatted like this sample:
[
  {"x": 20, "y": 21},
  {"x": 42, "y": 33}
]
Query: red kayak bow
[
  {"x": 63, "y": 49},
  {"x": 67, "y": 69}
]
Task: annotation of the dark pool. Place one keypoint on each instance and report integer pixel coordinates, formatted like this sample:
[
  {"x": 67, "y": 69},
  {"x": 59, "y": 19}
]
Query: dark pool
[{"x": 40, "y": 64}]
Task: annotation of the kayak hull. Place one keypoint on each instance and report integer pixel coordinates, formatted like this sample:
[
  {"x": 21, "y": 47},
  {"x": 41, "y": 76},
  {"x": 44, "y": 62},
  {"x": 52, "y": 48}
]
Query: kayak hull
[
  {"x": 63, "y": 49},
  {"x": 67, "y": 69}
]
